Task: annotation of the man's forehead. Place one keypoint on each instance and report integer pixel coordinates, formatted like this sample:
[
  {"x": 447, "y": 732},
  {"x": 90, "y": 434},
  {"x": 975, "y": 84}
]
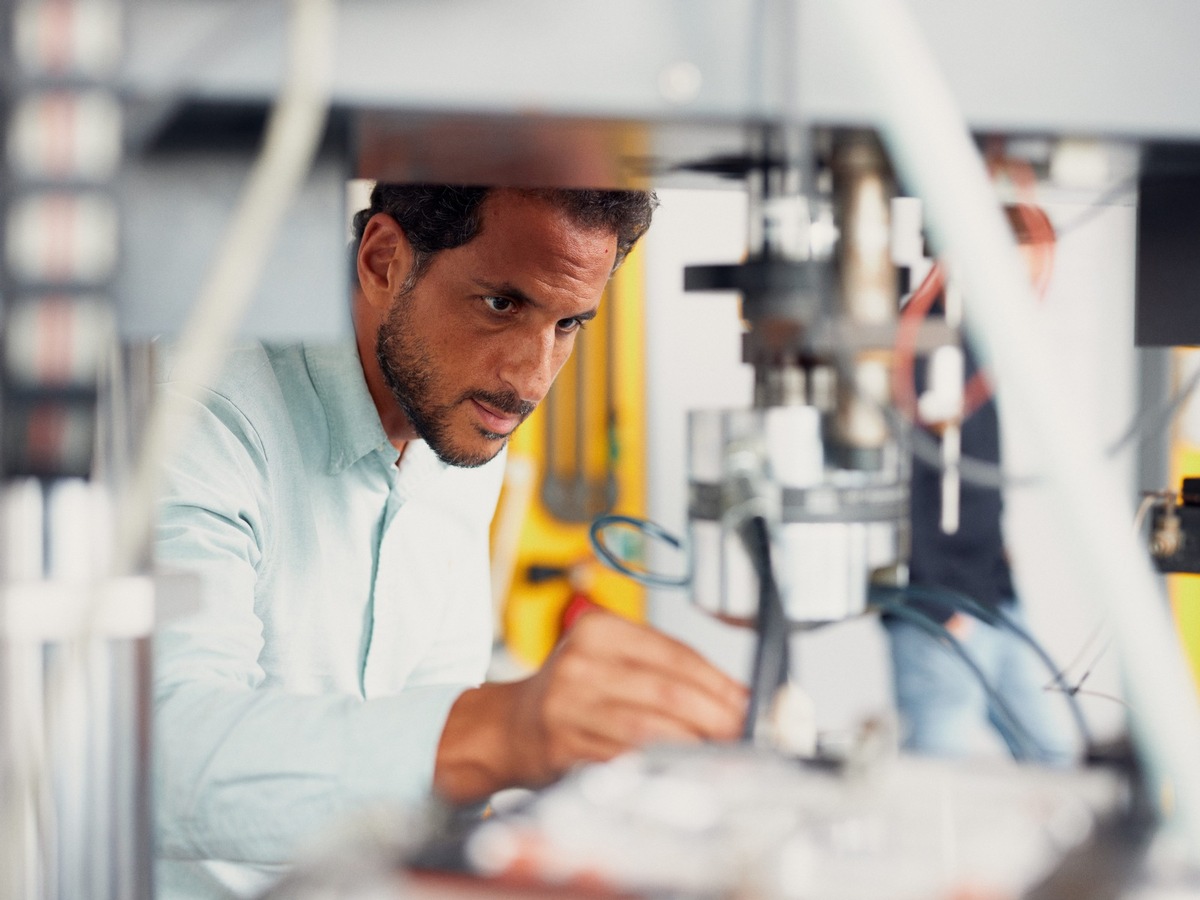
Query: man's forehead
[
  {"x": 527, "y": 203},
  {"x": 516, "y": 235}
]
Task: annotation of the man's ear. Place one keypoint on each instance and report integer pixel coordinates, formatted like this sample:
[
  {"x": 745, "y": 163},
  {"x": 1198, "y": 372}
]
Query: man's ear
[{"x": 384, "y": 260}]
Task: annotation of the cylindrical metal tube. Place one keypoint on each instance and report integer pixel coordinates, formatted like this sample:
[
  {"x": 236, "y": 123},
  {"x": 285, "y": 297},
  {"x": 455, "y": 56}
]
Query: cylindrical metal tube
[{"x": 863, "y": 191}]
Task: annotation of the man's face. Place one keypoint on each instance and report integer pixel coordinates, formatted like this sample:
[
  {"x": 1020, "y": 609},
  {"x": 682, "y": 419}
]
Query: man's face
[{"x": 472, "y": 349}]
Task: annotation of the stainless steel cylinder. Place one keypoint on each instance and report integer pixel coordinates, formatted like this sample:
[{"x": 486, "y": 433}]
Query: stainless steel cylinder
[
  {"x": 834, "y": 528},
  {"x": 867, "y": 278}
]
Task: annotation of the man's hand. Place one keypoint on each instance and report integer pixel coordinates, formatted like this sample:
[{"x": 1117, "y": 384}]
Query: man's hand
[{"x": 610, "y": 686}]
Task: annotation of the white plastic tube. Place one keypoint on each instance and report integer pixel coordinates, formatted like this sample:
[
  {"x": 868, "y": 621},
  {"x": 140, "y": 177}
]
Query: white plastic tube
[
  {"x": 293, "y": 135},
  {"x": 933, "y": 152}
]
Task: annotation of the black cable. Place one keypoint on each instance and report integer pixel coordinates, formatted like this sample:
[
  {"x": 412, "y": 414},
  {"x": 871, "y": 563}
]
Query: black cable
[
  {"x": 997, "y": 618},
  {"x": 771, "y": 657},
  {"x": 927, "y": 448},
  {"x": 979, "y": 472},
  {"x": 1160, "y": 417},
  {"x": 771, "y": 661},
  {"x": 646, "y": 527},
  {"x": 1099, "y": 205},
  {"x": 1016, "y": 736},
  {"x": 985, "y": 473}
]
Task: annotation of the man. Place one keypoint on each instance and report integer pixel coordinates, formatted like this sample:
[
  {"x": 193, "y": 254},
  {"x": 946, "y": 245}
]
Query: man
[{"x": 336, "y": 501}]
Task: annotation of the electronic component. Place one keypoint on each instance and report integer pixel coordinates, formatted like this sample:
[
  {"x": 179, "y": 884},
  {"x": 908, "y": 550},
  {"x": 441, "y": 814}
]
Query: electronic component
[{"x": 1174, "y": 535}]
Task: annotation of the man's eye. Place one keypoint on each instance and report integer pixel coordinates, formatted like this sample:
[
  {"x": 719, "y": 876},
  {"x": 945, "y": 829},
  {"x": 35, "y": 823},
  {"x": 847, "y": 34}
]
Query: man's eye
[
  {"x": 568, "y": 325},
  {"x": 498, "y": 304}
]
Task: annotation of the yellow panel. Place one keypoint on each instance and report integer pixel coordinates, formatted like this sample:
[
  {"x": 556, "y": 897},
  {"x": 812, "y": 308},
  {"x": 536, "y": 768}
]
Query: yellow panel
[{"x": 532, "y": 612}]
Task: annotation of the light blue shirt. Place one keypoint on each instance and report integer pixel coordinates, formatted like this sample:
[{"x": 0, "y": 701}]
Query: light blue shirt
[{"x": 345, "y": 604}]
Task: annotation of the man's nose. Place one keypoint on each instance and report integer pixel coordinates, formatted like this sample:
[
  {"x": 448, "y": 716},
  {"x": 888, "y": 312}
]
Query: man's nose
[{"x": 531, "y": 366}]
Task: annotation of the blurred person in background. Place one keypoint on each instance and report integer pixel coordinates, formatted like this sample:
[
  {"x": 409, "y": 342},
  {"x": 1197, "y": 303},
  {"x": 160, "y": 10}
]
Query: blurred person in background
[{"x": 943, "y": 708}]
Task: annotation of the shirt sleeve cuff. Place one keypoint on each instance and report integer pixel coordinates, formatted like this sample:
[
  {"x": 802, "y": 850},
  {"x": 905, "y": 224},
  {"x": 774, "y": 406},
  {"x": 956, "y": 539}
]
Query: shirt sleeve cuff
[{"x": 392, "y": 750}]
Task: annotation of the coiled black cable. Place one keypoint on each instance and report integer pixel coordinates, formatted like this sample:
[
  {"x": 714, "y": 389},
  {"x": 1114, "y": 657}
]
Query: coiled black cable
[{"x": 644, "y": 526}]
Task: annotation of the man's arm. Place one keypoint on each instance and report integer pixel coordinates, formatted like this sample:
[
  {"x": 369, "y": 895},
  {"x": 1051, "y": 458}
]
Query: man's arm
[
  {"x": 248, "y": 768},
  {"x": 610, "y": 686}
]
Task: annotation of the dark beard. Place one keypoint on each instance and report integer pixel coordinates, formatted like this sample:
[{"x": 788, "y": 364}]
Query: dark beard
[{"x": 409, "y": 374}]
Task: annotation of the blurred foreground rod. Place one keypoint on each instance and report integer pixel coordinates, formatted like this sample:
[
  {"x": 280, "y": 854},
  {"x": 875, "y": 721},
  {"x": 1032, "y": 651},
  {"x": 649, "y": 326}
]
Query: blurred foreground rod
[
  {"x": 31, "y": 825},
  {"x": 933, "y": 150},
  {"x": 293, "y": 135}
]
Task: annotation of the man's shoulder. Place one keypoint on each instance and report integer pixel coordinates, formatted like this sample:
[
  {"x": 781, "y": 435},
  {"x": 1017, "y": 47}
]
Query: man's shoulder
[
  {"x": 255, "y": 392},
  {"x": 242, "y": 362},
  {"x": 247, "y": 374}
]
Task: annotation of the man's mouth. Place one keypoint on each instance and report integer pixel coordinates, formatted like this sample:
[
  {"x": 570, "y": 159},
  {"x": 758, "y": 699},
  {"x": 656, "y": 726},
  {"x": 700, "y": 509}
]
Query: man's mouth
[{"x": 496, "y": 421}]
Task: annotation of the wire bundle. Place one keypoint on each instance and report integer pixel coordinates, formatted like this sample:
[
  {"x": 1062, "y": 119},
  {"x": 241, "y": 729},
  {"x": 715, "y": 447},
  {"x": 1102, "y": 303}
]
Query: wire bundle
[{"x": 770, "y": 667}]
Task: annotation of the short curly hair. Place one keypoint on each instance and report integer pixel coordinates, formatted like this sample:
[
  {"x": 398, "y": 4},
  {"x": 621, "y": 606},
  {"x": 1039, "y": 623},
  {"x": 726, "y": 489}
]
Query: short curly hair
[{"x": 440, "y": 217}]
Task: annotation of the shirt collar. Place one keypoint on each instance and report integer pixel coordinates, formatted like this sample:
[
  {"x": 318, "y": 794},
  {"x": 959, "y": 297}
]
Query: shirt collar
[
  {"x": 354, "y": 427},
  {"x": 418, "y": 466}
]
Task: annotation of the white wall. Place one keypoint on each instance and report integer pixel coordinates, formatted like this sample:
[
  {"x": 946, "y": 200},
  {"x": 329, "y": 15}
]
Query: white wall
[{"x": 693, "y": 359}]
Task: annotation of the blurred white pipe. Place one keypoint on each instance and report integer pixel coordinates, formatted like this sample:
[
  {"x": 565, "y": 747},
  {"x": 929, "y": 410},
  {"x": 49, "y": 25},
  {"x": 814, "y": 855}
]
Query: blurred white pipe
[
  {"x": 31, "y": 836},
  {"x": 293, "y": 135},
  {"x": 936, "y": 158}
]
